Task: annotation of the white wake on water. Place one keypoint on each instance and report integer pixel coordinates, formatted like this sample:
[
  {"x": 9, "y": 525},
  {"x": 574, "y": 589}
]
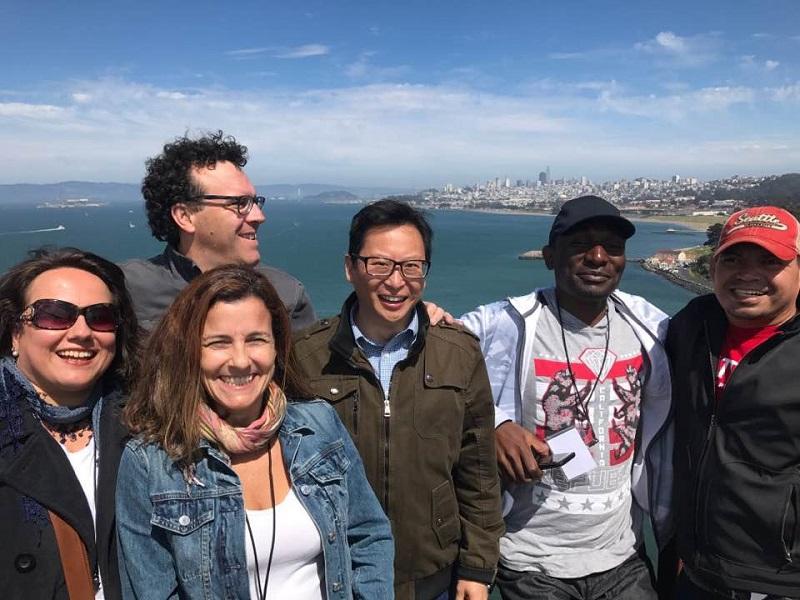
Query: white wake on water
[{"x": 59, "y": 228}]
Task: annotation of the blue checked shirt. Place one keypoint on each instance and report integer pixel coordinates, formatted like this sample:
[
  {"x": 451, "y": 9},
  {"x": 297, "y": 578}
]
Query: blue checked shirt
[{"x": 383, "y": 358}]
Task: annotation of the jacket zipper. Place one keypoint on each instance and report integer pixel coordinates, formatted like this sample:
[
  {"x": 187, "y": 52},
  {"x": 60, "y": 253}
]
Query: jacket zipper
[
  {"x": 387, "y": 413},
  {"x": 787, "y": 548},
  {"x": 712, "y": 425}
]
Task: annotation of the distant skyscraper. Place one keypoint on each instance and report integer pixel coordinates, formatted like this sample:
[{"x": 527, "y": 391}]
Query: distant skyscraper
[{"x": 543, "y": 177}]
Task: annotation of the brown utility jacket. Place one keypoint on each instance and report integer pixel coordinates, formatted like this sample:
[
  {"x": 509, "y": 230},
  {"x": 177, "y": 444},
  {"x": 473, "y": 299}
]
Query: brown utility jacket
[{"x": 431, "y": 462}]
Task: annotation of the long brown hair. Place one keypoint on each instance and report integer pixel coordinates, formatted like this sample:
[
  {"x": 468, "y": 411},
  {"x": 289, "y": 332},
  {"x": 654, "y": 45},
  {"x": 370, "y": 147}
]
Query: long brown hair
[{"x": 163, "y": 407}]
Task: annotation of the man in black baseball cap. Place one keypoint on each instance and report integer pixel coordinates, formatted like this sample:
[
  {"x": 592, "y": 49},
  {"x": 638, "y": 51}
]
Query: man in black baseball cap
[
  {"x": 589, "y": 208},
  {"x": 579, "y": 361}
]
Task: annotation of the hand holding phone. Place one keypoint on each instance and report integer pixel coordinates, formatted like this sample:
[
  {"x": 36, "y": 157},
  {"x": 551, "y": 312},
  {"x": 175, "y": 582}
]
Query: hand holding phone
[{"x": 555, "y": 461}]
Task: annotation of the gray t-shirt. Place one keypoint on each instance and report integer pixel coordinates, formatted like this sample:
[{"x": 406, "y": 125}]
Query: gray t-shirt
[{"x": 573, "y": 528}]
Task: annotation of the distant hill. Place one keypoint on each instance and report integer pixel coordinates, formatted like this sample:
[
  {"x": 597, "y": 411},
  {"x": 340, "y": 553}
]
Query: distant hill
[
  {"x": 35, "y": 193},
  {"x": 782, "y": 190},
  {"x": 118, "y": 193},
  {"x": 335, "y": 196},
  {"x": 321, "y": 192}
]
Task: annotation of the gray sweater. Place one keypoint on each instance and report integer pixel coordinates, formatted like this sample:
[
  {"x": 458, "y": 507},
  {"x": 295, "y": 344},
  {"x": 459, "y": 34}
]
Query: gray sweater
[{"x": 154, "y": 282}]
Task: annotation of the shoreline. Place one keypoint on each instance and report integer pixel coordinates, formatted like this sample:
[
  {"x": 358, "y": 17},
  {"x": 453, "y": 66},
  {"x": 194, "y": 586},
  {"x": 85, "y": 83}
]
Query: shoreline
[
  {"x": 699, "y": 224},
  {"x": 692, "y": 286}
]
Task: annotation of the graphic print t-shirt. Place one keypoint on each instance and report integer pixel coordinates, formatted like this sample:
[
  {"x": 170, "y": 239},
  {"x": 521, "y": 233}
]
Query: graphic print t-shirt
[
  {"x": 739, "y": 342},
  {"x": 573, "y": 528}
]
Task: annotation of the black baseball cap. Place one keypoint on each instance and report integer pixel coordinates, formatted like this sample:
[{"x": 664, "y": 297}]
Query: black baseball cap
[{"x": 589, "y": 208}]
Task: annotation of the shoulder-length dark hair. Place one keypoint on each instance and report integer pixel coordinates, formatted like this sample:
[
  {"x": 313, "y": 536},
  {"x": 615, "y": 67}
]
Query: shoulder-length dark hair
[
  {"x": 13, "y": 301},
  {"x": 164, "y": 403}
]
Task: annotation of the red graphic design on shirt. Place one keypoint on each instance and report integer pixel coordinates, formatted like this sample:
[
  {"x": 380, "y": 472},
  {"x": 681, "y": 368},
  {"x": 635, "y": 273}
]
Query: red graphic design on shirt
[
  {"x": 624, "y": 429},
  {"x": 566, "y": 402},
  {"x": 565, "y": 405},
  {"x": 739, "y": 342}
]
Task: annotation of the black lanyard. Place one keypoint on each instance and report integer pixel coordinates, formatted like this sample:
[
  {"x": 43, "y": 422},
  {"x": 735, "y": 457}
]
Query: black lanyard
[{"x": 262, "y": 591}]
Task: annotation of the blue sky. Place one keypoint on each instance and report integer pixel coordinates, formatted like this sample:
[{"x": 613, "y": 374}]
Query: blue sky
[{"x": 410, "y": 94}]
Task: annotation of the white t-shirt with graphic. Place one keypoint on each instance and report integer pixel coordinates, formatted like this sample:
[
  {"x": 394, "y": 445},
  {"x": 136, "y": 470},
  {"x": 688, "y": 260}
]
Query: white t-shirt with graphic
[{"x": 563, "y": 528}]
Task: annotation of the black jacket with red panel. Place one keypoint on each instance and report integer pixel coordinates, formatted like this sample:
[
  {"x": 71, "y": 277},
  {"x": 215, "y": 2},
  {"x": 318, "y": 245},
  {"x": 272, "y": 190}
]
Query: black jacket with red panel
[{"x": 737, "y": 457}]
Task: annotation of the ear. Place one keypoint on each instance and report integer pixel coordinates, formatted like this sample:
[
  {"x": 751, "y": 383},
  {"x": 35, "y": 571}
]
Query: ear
[
  {"x": 547, "y": 255},
  {"x": 183, "y": 217},
  {"x": 16, "y": 331},
  {"x": 349, "y": 265},
  {"x": 712, "y": 268}
]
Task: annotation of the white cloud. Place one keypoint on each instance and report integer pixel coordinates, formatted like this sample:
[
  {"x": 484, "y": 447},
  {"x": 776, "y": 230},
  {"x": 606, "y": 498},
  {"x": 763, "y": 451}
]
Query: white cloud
[
  {"x": 30, "y": 111},
  {"x": 679, "y": 106},
  {"x": 567, "y": 55},
  {"x": 786, "y": 93},
  {"x": 171, "y": 95},
  {"x": 751, "y": 63},
  {"x": 676, "y": 50},
  {"x": 393, "y": 134},
  {"x": 244, "y": 52},
  {"x": 363, "y": 68},
  {"x": 305, "y": 51}
]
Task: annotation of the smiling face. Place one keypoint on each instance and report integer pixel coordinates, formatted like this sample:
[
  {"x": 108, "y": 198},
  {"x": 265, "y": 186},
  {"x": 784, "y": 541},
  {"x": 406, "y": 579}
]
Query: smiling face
[
  {"x": 237, "y": 359},
  {"x": 213, "y": 236},
  {"x": 588, "y": 262},
  {"x": 755, "y": 287},
  {"x": 385, "y": 303},
  {"x": 65, "y": 364}
]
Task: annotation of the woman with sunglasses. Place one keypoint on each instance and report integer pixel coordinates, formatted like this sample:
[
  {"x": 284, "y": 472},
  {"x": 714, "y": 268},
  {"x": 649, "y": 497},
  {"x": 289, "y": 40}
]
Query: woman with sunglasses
[
  {"x": 238, "y": 486},
  {"x": 68, "y": 339}
]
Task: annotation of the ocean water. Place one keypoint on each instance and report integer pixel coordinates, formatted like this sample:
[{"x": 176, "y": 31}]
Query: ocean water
[{"x": 474, "y": 254}]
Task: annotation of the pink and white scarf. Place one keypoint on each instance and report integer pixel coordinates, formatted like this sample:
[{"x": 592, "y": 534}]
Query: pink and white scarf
[{"x": 241, "y": 440}]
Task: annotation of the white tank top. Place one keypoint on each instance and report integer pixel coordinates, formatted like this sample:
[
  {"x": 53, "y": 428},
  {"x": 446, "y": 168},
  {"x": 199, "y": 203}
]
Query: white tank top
[{"x": 298, "y": 569}]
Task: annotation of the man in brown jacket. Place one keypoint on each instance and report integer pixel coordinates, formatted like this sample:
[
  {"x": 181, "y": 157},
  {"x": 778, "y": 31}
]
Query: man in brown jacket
[{"x": 417, "y": 402}]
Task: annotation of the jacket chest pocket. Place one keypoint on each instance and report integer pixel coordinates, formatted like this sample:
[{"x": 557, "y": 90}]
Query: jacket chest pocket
[
  {"x": 439, "y": 409},
  {"x": 325, "y": 472},
  {"x": 184, "y": 523},
  {"x": 342, "y": 393}
]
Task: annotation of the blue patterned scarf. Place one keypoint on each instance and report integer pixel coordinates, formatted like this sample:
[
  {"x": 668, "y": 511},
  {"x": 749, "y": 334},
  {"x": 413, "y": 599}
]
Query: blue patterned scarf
[{"x": 56, "y": 415}]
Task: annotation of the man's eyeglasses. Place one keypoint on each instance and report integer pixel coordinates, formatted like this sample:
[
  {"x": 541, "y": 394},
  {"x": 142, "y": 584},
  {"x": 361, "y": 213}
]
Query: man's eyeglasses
[
  {"x": 242, "y": 204},
  {"x": 59, "y": 314},
  {"x": 378, "y": 266}
]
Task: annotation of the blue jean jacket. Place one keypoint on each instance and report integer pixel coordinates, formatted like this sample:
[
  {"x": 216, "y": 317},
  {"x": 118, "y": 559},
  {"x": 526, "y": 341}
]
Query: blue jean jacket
[{"x": 182, "y": 540}]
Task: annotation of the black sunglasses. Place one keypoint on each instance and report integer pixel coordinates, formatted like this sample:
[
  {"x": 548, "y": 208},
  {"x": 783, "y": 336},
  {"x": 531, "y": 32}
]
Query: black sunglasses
[
  {"x": 242, "y": 204},
  {"x": 58, "y": 314}
]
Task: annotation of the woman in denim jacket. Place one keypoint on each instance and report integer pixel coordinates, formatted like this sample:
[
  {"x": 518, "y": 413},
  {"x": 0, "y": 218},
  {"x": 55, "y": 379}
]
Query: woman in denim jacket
[{"x": 229, "y": 490}]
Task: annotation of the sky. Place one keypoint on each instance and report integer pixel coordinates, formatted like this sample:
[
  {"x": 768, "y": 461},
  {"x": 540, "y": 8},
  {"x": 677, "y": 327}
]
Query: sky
[{"x": 411, "y": 94}]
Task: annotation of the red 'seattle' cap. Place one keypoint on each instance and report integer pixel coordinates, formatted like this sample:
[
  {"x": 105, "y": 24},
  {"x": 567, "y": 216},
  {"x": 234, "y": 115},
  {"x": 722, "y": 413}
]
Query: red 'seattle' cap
[{"x": 774, "y": 229}]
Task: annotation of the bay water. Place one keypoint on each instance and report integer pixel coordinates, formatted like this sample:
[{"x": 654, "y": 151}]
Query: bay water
[{"x": 475, "y": 255}]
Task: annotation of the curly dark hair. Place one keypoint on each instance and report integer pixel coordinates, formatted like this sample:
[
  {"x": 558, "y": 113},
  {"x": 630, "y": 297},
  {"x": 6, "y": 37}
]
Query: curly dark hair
[
  {"x": 14, "y": 288},
  {"x": 168, "y": 179}
]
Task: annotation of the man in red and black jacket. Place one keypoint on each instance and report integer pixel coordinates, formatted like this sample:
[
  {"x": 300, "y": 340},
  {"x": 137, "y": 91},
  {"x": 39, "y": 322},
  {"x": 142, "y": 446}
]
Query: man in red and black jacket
[{"x": 736, "y": 357}]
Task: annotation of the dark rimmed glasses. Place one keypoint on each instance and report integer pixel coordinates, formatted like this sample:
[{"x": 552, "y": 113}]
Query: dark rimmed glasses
[
  {"x": 242, "y": 204},
  {"x": 377, "y": 266},
  {"x": 59, "y": 314}
]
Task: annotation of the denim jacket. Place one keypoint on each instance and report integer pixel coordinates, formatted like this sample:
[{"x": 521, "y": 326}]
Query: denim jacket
[{"x": 187, "y": 540}]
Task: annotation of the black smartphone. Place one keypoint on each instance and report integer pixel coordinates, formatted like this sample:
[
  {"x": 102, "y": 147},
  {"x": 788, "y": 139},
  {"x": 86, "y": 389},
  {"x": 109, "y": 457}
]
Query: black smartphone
[{"x": 554, "y": 461}]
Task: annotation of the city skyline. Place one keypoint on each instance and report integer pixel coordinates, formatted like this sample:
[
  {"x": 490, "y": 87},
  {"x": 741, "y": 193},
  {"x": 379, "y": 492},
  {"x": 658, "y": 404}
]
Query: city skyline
[{"x": 415, "y": 95}]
